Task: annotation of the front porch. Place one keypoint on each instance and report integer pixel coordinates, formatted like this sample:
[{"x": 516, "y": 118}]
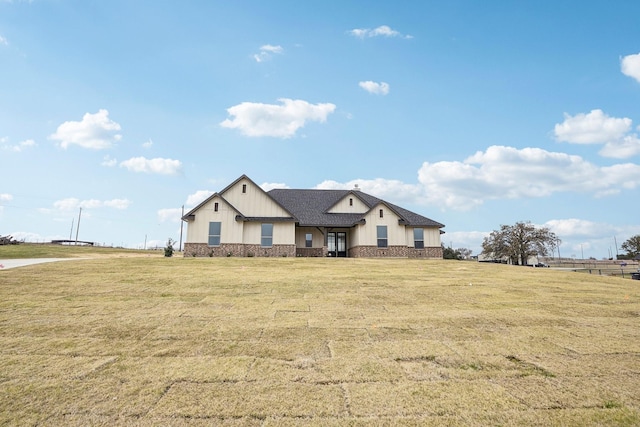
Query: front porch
[{"x": 322, "y": 242}]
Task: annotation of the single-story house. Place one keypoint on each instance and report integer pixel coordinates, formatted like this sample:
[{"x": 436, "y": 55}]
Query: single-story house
[{"x": 245, "y": 220}]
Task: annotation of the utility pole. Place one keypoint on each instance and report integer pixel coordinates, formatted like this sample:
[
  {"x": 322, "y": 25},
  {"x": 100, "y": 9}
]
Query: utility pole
[
  {"x": 78, "y": 228},
  {"x": 616, "y": 242},
  {"x": 181, "y": 225},
  {"x": 71, "y": 231}
]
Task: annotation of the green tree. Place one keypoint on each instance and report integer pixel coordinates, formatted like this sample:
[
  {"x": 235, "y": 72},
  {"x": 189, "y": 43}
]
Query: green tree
[
  {"x": 450, "y": 253},
  {"x": 168, "y": 250},
  {"x": 460, "y": 253},
  {"x": 519, "y": 242},
  {"x": 632, "y": 246}
]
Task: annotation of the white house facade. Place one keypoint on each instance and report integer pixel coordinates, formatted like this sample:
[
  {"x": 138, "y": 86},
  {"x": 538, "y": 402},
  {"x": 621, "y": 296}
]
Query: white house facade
[{"x": 245, "y": 220}]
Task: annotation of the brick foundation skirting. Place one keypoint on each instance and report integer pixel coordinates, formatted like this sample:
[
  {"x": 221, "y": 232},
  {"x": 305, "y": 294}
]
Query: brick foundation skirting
[
  {"x": 238, "y": 250},
  {"x": 433, "y": 252},
  {"x": 310, "y": 252},
  {"x": 395, "y": 252},
  {"x": 376, "y": 252}
]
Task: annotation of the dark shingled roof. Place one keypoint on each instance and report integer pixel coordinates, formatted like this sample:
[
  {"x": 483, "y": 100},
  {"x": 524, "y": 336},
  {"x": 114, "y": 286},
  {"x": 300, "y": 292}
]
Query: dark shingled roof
[{"x": 310, "y": 208}]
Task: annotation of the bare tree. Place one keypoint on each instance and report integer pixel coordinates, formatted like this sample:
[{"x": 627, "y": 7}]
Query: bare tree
[
  {"x": 519, "y": 242},
  {"x": 632, "y": 246}
]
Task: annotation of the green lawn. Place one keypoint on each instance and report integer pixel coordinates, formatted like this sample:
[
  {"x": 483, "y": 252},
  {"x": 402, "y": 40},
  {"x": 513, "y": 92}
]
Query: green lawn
[{"x": 148, "y": 340}]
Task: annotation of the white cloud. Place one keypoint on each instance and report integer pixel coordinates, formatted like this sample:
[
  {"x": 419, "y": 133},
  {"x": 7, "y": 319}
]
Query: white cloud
[
  {"x": 266, "y": 186},
  {"x": 388, "y": 189},
  {"x": 147, "y": 144},
  {"x": 4, "y": 41},
  {"x": 280, "y": 121},
  {"x": 267, "y": 51},
  {"x": 596, "y": 127},
  {"x": 381, "y": 31},
  {"x": 359, "y": 32},
  {"x": 465, "y": 239},
  {"x": 630, "y": 66},
  {"x": 198, "y": 197},
  {"x": 497, "y": 173},
  {"x": 95, "y": 131},
  {"x": 574, "y": 227},
  {"x": 117, "y": 203},
  {"x": 18, "y": 147},
  {"x": 157, "y": 165},
  {"x": 580, "y": 236},
  {"x": 169, "y": 215},
  {"x": 381, "y": 88},
  {"x": 628, "y": 146},
  {"x": 592, "y": 128},
  {"x": 109, "y": 161},
  {"x": 4, "y": 197},
  {"x": 73, "y": 204}
]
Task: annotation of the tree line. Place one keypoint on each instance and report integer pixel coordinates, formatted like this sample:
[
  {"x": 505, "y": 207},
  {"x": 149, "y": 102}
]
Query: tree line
[{"x": 521, "y": 241}]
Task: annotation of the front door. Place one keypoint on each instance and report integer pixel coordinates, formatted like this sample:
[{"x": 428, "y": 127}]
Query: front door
[{"x": 337, "y": 243}]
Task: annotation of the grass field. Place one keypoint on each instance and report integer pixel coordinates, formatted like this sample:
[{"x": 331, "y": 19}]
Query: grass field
[{"x": 146, "y": 340}]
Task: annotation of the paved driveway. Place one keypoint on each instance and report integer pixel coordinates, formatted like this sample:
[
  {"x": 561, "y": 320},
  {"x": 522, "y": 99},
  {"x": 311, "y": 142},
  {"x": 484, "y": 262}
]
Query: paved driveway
[{"x": 6, "y": 264}]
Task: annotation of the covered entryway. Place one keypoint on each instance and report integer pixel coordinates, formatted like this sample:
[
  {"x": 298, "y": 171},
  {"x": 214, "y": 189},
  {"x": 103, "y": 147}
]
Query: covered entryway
[{"x": 337, "y": 244}]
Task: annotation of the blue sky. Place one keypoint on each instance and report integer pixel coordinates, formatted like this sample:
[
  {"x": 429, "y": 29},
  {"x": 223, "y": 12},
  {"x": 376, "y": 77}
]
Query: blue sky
[{"x": 474, "y": 114}]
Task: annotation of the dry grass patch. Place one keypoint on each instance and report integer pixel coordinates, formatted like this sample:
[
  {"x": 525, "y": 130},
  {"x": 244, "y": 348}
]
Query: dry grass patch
[
  {"x": 247, "y": 341},
  {"x": 429, "y": 398},
  {"x": 250, "y": 399}
]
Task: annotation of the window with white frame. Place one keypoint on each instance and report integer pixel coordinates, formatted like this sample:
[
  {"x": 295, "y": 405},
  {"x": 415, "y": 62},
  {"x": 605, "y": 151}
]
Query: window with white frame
[
  {"x": 308, "y": 240},
  {"x": 382, "y": 236},
  {"x": 418, "y": 238},
  {"x": 266, "y": 240},
  {"x": 214, "y": 233}
]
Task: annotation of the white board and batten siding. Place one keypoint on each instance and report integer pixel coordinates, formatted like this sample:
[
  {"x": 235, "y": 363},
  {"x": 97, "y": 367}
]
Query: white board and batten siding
[
  {"x": 254, "y": 201},
  {"x": 317, "y": 237},
  {"x": 367, "y": 234},
  {"x": 249, "y": 200},
  {"x": 198, "y": 230},
  {"x": 349, "y": 204},
  {"x": 284, "y": 233},
  {"x": 431, "y": 237}
]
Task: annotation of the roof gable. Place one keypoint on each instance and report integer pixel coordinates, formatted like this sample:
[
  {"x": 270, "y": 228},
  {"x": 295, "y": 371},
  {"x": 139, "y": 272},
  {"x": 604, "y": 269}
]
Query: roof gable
[
  {"x": 312, "y": 208},
  {"x": 246, "y": 207},
  {"x": 351, "y": 202},
  {"x": 191, "y": 214},
  {"x": 401, "y": 219}
]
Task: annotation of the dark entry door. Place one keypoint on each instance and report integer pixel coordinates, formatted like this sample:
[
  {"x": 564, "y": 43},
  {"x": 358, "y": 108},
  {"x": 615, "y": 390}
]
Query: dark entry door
[
  {"x": 342, "y": 244},
  {"x": 337, "y": 243}
]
